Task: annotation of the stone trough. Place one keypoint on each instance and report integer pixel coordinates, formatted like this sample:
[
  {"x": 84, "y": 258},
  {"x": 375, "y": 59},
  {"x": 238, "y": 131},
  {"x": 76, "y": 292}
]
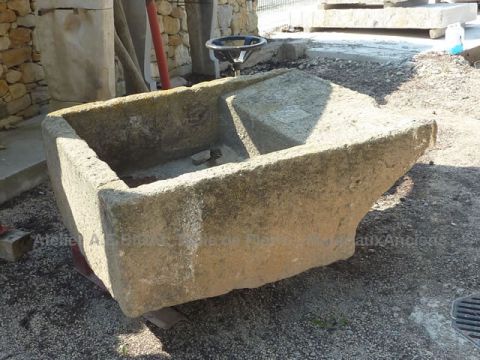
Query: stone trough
[{"x": 193, "y": 192}]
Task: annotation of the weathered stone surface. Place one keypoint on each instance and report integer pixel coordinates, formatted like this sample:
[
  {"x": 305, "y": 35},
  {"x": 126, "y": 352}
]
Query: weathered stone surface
[
  {"x": 164, "y": 7},
  {"x": 21, "y": 7},
  {"x": 13, "y": 76},
  {"x": 178, "y": 12},
  {"x": 171, "y": 25},
  {"x": 175, "y": 40},
  {"x": 9, "y": 122},
  {"x": 7, "y": 16},
  {"x": 290, "y": 51},
  {"x": 15, "y": 244},
  {"x": 186, "y": 39},
  {"x": 4, "y": 43},
  {"x": 18, "y": 105},
  {"x": 431, "y": 16},
  {"x": 15, "y": 57},
  {"x": 28, "y": 21},
  {"x": 262, "y": 216},
  {"x": 225, "y": 15},
  {"x": 20, "y": 36},
  {"x": 4, "y": 28},
  {"x": 32, "y": 72},
  {"x": 40, "y": 95},
  {"x": 31, "y": 111},
  {"x": 182, "y": 55},
  {"x": 373, "y": 2},
  {"x": 3, "y": 87},
  {"x": 17, "y": 90}
]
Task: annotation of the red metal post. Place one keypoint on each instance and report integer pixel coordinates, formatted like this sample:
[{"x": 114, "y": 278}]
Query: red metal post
[
  {"x": 3, "y": 229},
  {"x": 158, "y": 44},
  {"x": 83, "y": 268}
]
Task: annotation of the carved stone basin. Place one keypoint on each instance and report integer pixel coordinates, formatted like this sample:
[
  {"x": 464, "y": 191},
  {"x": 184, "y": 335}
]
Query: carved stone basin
[{"x": 189, "y": 193}]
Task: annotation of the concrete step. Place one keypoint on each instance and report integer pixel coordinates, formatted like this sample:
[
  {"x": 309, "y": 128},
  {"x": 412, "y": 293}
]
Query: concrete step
[{"x": 22, "y": 163}]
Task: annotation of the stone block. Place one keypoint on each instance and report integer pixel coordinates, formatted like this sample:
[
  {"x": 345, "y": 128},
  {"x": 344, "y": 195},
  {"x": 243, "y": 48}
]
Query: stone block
[
  {"x": 20, "y": 36},
  {"x": 13, "y": 76},
  {"x": 3, "y": 87},
  {"x": 178, "y": 12},
  {"x": 201, "y": 157},
  {"x": 17, "y": 105},
  {"x": 186, "y": 39},
  {"x": 431, "y": 16},
  {"x": 17, "y": 90},
  {"x": 334, "y": 3},
  {"x": 40, "y": 95},
  {"x": 21, "y": 7},
  {"x": 225, "y": 15},
  {"x": 4, "y": 28},
  {"x": 28, "y": 21},
  {"x": 164, "y": 7},
  {"x": 287, "y": 141},
  {"x": 174, "y": 40},
  {"x": 291, "y": 51},
  {"x": 16, "y": 57},
  {"x": 171, "y": 25},
  {"x": 4, "y": 43},
  {"x": 7, "y": 16},
  {"x": 31, "y": 111},
  {"x": 182, "y": 55},
  {"x": 32, "y": 72},
  {"x": 14, "y": 245}
]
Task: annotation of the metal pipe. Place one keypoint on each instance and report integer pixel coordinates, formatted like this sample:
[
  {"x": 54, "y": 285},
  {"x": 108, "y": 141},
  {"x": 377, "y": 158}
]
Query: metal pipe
[{"x": 158, "y": 44}]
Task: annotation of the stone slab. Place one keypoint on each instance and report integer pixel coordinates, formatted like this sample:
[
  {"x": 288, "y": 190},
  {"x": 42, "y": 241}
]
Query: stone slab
[
  {"x": 14, "y": 245},
  {"x": 431, "y": 16},
  {"x": 22, "y": 163},
  {"x": 373, "y": 2},
  {"x": 316, "y": 156},
  {"x": 380, "y": 53}
]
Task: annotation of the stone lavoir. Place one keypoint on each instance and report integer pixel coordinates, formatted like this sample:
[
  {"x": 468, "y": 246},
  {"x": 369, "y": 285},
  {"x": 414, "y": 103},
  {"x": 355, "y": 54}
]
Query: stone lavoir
[{"x": 281, "y": 189}]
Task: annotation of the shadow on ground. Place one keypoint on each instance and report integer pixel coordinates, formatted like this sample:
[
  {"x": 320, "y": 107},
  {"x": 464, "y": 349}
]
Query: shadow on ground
[
  {"x": 375, "y": 79},
  {"x": 391, "y": 300},
  {"x": 417, "y": 251}
]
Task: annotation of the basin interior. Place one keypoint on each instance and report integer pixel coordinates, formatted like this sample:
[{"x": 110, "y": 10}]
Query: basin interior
[
  {"x": 159, "y": 136},
  {"x": 145, "y": 139}
]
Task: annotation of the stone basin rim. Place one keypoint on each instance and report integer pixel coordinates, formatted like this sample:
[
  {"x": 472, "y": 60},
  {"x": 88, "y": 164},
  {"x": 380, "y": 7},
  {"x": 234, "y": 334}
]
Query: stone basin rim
[{"x": 249, "y": 164}]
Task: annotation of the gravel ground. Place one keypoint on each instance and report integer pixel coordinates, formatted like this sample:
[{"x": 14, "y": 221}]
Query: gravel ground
[{"x": 417, "y": 250}]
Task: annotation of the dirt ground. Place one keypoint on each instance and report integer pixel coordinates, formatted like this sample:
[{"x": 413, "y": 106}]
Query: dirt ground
[{"x": 417, "y": 250}]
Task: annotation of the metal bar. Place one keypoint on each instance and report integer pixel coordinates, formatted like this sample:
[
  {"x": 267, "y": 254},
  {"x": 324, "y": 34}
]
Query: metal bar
[{"x": 158, "y": 44}]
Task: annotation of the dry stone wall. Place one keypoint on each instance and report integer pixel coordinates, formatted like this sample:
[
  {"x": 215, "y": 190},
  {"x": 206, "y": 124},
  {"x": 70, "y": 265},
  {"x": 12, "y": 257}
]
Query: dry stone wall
[
  {"x": 233, "y": 17},
  {"x": 173, "y": 25},
  {"x": 236, "y": 17},
  {"x": 23, "y": 89}
]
